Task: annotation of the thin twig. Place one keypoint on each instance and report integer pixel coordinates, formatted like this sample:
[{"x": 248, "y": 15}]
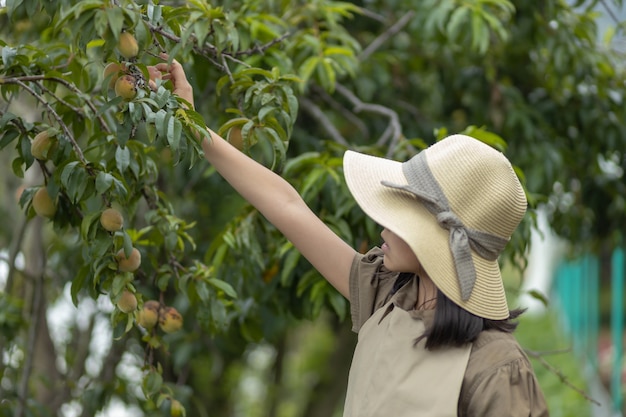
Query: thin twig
[
  {"x": 564, "y": 379},
  {"x": 60, "y": 100},
  {"x": 610, "y": 12},
  {"x": 394, "y": 130},
  {"x": 386, "y": 35},
  {"x": 64, "y": 127},
  {"x": 72, "y": 87},
  {"x": 320, "y": 117},
  {"x": 260, "y": 49},
  {"x": 339, "y": 108}
]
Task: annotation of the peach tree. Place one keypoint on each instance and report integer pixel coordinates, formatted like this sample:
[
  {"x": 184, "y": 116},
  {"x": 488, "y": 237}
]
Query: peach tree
[{"x": 102, "y": 151}]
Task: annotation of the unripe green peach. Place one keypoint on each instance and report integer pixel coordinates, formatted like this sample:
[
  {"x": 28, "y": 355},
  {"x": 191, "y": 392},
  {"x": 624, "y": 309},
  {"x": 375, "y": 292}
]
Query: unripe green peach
[
  {"x": 170, "y": 320},
  {"x": 127, "y": 302},
  {"x": 40, "y": 146},
  {"x": 111, "y": 220},
  {"x": 127, "y": 45},
  {"x": 126, "y": 87},
  {"x": 130, "y": 264},
  {"x": 148, "y": 316},
  {"x": 43, "y": 204}
]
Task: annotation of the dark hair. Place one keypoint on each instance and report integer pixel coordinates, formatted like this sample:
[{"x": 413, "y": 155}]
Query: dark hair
[{"x": 455, "y": 326}]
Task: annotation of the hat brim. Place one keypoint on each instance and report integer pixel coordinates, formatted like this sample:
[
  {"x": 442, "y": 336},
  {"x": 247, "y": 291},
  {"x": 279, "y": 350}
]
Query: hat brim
[{"x": 401, "y": 213}]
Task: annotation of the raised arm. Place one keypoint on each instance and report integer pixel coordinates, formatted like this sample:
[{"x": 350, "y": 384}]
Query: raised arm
[{"x": 274, "y": 197}]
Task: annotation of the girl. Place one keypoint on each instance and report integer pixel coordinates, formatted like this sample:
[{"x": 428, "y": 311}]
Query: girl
[{"x": 434, "y": 329}]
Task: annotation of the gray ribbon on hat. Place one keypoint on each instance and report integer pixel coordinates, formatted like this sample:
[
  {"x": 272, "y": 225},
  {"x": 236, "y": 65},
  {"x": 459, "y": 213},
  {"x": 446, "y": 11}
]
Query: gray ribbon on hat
[{"x": 422, "y": 183}]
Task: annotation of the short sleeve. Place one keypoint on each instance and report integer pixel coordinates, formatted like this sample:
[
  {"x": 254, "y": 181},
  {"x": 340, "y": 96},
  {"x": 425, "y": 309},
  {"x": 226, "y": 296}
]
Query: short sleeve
[
  {"x": 509, "y": 390},
  {"x": 370, "y": 286}
]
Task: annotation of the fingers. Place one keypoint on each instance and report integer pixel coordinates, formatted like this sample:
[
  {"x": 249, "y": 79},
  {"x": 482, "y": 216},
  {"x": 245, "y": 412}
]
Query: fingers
[
  {"x": 155, "y": 74},
  {"x": 174, "y": 72}
]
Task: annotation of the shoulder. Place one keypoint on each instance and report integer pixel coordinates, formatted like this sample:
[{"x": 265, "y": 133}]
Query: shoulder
[
  {"x": 370, "y": 284},
  {"x": 499, "y": 377},
  {"x": 492, "y": 351},
  {"x": 494, "y": 348}
]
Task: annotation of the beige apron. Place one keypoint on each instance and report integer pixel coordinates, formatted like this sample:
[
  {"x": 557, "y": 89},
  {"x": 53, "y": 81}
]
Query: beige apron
[{"x": 390, "y": 376}]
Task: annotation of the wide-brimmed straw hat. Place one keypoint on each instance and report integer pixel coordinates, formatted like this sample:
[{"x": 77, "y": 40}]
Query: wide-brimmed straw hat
[{"x": 456, "y": 204}]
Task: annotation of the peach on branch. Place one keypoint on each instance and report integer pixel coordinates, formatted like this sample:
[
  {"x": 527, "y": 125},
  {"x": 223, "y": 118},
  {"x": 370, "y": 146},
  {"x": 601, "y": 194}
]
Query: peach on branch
[
  {"x": 43, "y": 203},
  {"x": 111, "y": 220},
  {"x": 126, "y": 87},
  {"x": 127, "y": 303},
  {"x": 112, "y": 71},
  {"x": 130, "y": 263},
  {"x": 148, "y": 316},
  {"x": 127, "y": 45},
  {"x": 41, "y": 145},
  {"x": 170, "y": 320}
]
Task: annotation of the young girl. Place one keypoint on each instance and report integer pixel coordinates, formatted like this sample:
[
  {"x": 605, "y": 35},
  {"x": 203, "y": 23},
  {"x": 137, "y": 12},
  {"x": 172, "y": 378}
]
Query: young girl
[{"x": 434, "y": 329}]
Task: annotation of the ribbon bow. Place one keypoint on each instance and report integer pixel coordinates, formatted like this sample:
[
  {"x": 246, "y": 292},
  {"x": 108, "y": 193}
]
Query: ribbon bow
[{"x": 422, "y": 184}]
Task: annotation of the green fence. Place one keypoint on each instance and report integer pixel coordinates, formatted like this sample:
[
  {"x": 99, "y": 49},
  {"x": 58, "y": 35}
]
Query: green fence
[{"x": 577, "y": 289}]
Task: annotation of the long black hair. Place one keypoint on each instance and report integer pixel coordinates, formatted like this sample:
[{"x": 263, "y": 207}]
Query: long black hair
[{"x": 455, "y": 326}]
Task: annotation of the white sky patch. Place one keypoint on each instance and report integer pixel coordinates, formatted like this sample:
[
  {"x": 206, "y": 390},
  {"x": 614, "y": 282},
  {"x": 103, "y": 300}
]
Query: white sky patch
[{"x": 4, "y": 265}]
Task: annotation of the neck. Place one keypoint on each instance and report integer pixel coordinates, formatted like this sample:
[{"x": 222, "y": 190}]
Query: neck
[{"x": 427, "y": 293}]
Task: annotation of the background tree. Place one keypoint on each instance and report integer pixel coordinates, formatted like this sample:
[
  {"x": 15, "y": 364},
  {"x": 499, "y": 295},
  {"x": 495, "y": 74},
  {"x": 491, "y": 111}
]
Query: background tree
[{"x": 293, "y": 84}]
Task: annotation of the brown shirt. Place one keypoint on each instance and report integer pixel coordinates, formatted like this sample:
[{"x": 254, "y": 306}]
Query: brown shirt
[{"x": 499, "y": 380}]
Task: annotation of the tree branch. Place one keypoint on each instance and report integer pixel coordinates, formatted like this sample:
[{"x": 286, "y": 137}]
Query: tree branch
[
  {"x": 393, "y": 133},
  {"x": 386, "y": 35},
  {"x": 347, "y": 114},
  {"x": 66, "y": 130},
  {"x": 564, "y": 379},
  {"x": 72, "y": 87},
  {"x": 211, "y": 52},
  {"x": 317, "y": 114}
]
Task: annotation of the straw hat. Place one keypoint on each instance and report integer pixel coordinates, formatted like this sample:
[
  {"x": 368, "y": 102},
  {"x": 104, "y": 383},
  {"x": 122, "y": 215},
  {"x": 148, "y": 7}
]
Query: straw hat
[{"x": 456, "y": 205}]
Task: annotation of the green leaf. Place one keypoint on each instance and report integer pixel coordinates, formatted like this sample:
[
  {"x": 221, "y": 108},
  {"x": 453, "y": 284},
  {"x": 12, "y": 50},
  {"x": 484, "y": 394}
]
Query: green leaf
[
  {"x": 307, "y": 68},
  {"x": 8, "y": 136},
  {"x": 122, "y": 158},
  {"x": 104, "y": 180},
  {"x": 339, "y": 304},
  {"x": 18, "y": 167},
  {"x": 174, "y": 132},
  {"x": 86, "y": 224},
  {"x": 224, "y": 286},
  {"x": 78, "y": 283},
  {"x": 128, "y": 243},
  {"x": 77, "y": 184},
  {"x": 327, "y": 75},
  {"x": 6, "y": 118},
  {"x": 291, "y": 261},
  {"x": 123, "y": 131},
  {"x": 539, "y": 296},
  {"x": 457, "y": 20},
  {"x": 115, "y": 17},
  {"x": 152, "y": 383}
]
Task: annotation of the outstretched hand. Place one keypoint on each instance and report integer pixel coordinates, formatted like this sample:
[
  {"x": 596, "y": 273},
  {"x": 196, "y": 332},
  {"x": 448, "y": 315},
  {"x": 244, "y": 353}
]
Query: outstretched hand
[{"x": 176, "y": 74}]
